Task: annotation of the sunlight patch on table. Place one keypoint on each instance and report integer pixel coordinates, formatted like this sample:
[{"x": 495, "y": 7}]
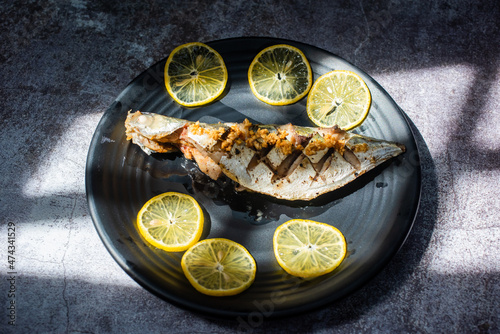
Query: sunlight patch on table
[
  {"x": 66, "y": 249},
  {"x": 62, "y": 169},
  {"x": 466, "y": 251},
  {"x": 433, "y": 97}
]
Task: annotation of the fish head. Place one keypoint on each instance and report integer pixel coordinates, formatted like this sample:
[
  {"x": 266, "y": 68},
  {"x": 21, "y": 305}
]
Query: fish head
[{"x": 153, "y": 125}]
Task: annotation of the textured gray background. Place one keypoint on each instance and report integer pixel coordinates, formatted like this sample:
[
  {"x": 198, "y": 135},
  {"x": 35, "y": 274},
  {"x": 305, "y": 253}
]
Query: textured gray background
[{"x": 64, "y": 62}]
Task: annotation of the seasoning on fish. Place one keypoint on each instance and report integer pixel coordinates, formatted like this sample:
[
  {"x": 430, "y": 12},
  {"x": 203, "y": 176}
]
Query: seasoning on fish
[{"x": 284, "y": 161}]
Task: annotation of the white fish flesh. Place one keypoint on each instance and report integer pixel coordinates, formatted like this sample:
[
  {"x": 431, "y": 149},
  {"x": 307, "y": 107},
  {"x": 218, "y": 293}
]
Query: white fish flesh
[{"x": 284, "y": 161}]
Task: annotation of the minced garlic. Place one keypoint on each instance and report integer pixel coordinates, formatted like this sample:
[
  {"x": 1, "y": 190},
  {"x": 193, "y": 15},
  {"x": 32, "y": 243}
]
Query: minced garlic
[{"x": 261, "y": 138}]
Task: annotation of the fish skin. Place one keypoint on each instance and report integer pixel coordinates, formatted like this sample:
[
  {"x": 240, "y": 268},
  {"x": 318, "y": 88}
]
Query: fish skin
[{"x": 302, "y": 164}]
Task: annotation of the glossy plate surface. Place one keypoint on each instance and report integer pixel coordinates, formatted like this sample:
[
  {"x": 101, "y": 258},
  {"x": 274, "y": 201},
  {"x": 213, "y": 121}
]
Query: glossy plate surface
[{"x": 375, "y": 212}]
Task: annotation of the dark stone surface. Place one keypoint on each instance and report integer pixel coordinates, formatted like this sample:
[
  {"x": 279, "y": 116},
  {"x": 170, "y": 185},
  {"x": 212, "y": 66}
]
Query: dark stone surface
[{"x": 64, "y": 62}]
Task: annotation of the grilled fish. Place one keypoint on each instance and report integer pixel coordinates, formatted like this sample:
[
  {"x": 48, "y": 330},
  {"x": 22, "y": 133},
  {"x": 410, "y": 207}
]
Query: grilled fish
[{"x": 284, "y": 161}]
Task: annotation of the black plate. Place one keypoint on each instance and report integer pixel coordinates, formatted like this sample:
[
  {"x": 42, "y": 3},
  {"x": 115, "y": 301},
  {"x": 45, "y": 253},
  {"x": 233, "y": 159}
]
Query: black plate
[{"x": 375, "y": 212}]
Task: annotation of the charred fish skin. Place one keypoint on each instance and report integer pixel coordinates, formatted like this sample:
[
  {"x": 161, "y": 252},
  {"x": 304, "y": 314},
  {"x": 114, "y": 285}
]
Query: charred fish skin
[{"x": 283, "y": 161}]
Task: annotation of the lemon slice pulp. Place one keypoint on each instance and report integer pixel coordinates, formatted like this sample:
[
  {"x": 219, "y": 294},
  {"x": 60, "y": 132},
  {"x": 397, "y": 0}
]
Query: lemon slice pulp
[
  {"x": 195, "y": 74},
  {"x": 306, "y": 248},
  {"x": 280, "y": 75},
  {"x": 339, "y": 98},
  {"x": 171, "y": 221},
  {"x": 219, "y": 267}
]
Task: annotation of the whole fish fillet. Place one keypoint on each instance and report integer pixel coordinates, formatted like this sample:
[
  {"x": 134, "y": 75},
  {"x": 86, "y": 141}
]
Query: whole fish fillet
[{"x": 284, "y": 161}]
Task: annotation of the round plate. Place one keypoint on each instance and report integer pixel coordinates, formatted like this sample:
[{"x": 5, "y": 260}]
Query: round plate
[{"x": 375, "y": 212}]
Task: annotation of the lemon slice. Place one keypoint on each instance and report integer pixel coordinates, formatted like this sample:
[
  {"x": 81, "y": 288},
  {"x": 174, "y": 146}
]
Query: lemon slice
[
  {"x": 280, "y": 75},
  {"x": 171, "y": 221},
  {"x": 195, "y": 74},
  {"x": 339, "y": 98},
  {"x": 219, "y": 267},
  {"x": 306, "y": 248}
]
